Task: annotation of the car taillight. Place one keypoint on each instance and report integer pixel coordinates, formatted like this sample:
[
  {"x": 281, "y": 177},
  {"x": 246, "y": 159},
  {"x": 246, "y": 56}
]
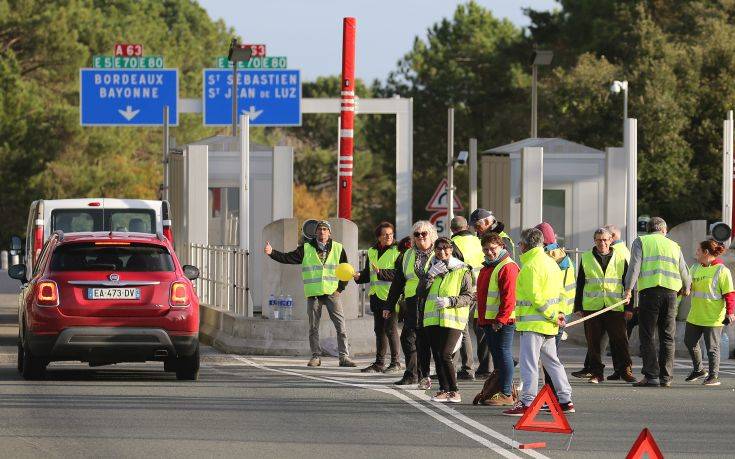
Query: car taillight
[
  {"x": 179, "y": 295},
  {"x": 47, "y": 293}
]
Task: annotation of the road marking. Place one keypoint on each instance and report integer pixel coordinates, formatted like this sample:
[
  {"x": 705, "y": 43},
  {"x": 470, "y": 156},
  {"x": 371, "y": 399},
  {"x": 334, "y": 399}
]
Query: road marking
[{"x": 403, "y": 397}]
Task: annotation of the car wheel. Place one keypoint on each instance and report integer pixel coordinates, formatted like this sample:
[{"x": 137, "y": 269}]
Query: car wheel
[
  {"x": 32, "y": 366},
  {"x": 187, "y": 368}
]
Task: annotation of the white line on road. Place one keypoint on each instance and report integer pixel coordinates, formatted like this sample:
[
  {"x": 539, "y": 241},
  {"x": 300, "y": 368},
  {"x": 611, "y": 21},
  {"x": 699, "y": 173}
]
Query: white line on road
[{"x": 401, "y": 396}]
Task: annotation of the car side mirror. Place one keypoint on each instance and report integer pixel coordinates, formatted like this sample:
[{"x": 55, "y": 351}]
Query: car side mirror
[
  {"x": 191, "y": 272},
  {"x": 18, "y": 272},
  {"x": 15, "y": 243}
]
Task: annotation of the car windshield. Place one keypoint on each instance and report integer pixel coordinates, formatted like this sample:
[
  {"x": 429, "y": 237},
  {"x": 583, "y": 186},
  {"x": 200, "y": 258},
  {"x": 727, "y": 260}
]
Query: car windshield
[
  {"x": 111, "y": 256},
  {"x": 120, "y": 220}
]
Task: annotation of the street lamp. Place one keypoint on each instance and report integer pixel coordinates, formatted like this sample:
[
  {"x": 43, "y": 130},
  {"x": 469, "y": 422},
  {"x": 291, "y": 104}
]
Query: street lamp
[
  {"x": 237, "y": 53},
  {"x": 615, "y": 88},
  {"x": 539, "y": 58}
]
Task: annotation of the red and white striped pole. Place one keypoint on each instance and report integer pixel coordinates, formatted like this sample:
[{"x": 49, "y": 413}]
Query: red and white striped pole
[{"x": 347, "y": 118}]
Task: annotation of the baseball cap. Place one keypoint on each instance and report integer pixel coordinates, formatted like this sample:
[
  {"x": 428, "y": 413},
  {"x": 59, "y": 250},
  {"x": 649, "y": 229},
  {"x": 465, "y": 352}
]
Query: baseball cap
[{"x": 479, "y": 214}]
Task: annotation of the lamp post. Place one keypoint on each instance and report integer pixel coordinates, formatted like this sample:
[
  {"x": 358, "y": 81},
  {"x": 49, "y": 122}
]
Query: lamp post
[
  {"x": 237, "y": 53},
  {"x": 539, "y": 58},
  {"x": 615, "y": 88}
]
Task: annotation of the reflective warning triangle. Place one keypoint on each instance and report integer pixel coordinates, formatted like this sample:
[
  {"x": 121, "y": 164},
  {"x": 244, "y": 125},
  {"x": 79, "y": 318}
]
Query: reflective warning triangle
[
  {"x": 558, "y": 423},
  {"x": 645, "y": 444}
]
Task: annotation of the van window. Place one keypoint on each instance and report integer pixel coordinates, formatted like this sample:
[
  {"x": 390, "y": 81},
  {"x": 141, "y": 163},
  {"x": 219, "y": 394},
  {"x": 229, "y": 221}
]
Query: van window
[
  {"x": 87, "y": 220},
  {"x": 135, "y": 257}
]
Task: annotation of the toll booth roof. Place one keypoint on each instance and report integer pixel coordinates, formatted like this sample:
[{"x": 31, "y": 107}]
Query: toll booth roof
[{"x": 549, "y": 144}]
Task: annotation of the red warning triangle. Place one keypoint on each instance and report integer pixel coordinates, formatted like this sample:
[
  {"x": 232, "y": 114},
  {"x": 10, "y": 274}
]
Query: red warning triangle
[
  {"x": 558, "y": 423},
  {"x": 645, "y": 444}
]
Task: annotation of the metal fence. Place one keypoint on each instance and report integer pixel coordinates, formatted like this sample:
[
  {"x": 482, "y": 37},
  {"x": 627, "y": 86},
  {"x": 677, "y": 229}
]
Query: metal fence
[{"x": 223, "y": 281}]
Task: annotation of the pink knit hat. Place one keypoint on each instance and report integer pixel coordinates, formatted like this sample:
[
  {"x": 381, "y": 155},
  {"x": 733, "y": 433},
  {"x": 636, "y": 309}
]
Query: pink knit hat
[{"x": 548, "y": 232}]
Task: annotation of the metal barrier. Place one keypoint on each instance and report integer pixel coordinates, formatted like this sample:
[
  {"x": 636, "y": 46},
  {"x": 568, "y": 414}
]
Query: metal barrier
[
  {"x": 363, "y": 298},
  {"x": 223, "y": 281}
]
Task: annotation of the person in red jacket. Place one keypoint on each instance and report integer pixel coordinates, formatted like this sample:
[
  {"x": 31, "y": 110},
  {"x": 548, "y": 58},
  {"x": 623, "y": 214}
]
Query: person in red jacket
[{"x": 496, "y": 300}]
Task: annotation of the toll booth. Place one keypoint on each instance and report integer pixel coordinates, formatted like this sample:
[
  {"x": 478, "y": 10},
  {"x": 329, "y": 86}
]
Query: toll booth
[{"x": 569, "y": 180}]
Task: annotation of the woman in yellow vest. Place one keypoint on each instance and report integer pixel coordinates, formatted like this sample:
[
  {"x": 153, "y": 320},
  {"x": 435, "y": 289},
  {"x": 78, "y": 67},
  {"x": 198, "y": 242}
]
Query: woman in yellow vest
[
  {"x": 379, "y": 272},
  {"x": 713, "y": 303},
  {"x": 450, "y": 294}
]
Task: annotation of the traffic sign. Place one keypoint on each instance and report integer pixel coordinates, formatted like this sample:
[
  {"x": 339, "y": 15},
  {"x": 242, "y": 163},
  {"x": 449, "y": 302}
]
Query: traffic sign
[
  {"x": 264, "y": 62},
  {"x": 438, "y": 219},
  {"x": 125, "y": 62},
  {"x": 270, "y": 97},
  {"x": 126, "y": 97},
  {"x": 439, "y": 200}
]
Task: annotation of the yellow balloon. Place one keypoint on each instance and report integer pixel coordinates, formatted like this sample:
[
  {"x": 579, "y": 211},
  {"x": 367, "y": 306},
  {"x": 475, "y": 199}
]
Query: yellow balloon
[{"x": 345, "y": 271}]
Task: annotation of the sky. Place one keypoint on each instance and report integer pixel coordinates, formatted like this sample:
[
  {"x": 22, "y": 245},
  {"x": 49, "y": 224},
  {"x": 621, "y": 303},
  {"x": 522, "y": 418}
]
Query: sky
[{"x": 309, "y": 32}]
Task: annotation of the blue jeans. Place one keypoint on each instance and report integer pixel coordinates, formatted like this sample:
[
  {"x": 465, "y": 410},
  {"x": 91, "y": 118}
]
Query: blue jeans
[{"x": 501, "y": 347}]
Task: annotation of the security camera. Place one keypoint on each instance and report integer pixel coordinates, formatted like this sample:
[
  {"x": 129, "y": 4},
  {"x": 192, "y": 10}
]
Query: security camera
[
  {"x": 618, "y": 86},
  {"x": 462, "y": 157}
]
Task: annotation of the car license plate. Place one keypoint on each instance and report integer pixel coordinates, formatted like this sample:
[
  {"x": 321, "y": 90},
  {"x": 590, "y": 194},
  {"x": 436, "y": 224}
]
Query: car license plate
[{"x": 116, "y": 293}]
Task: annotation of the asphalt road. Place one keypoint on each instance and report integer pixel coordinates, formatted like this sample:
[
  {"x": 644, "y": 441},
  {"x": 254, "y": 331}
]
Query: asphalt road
[{"x": 277, "y": 407}]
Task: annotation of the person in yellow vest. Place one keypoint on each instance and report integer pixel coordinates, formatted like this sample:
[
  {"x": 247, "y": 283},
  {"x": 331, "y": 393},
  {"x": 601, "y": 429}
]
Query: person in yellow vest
[
  {"x": 484, "y": 223},
  {"x": 538, "y": 318},
  {"x": 319, "y": 258},
  {"x": 450, "y": 294},
  {"x": 713, "y": 304},
  {"x": 658, "y": 269},
  {"x": 600, "y": 284},
  {"x": 379, "y": 271},
  {"x": 496, "y": 302},
  {"x": 411, "y": 267},
  {"x": 467, "y": 248}
]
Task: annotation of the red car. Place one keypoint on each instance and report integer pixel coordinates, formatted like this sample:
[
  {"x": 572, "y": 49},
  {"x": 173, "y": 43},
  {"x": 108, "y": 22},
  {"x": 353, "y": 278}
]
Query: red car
[{"x": 105, "y": 298}]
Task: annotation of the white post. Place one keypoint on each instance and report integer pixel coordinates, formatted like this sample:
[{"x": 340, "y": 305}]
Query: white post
[
  {"x": 616, "y": 179},
  {"x": 244, "y": 232},
  {"x": 450, "y": 166},
  {"x": 404, "y": 167},
  {"x": 630, "y": 134},
  {"x": 532, "y": 186},
  {"x": 473, "y": 175},
  {"x": 727, "y": 165}
]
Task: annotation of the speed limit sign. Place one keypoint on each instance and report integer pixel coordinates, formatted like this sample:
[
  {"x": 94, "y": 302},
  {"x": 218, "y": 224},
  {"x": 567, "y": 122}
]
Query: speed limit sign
[{"x": 438, "y": 219}]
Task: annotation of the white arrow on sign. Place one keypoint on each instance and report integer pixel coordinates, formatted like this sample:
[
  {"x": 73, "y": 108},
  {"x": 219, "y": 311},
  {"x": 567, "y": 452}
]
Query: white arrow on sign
[
  {"x": 129, "y": 113},
  {"x": 252, "y": 113}
]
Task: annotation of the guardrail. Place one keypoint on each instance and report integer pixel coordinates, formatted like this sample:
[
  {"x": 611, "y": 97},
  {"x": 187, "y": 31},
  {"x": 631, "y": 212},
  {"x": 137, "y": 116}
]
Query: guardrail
[{"x": 223, "y": 281}]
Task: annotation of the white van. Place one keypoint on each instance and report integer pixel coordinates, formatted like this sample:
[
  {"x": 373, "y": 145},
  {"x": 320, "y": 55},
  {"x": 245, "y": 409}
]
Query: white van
[{"x": 93, "y": 214}]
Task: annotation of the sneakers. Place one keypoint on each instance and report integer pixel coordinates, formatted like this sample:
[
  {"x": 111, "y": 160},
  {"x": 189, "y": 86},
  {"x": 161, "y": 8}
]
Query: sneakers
[
  {"x": 424, "y": 383},
  {"x": 465, "y": 375},
  {"x": 711, "y": 381},
  {"x": 665, "y": 384},
  {"x": 441, "y": 397},
  {"x": 645, "y": 382},
  {"x": 405, "y": 381},
  {"x": 482, "y": 374},
  {"x": 346, "y": 362},
  {"x": 454, "y": 397},
  {"x": 518, "y": 410},
  {"x": 315, "y": 361},
  {"x": 394, "y": 367},
  {"x": 695, "y": 375},
  {"x": 373, "y": 368},
  {"x": 628, "y": 377},
  {"x": 596, "y": 379},
  {"x": 582, "y": 374},
  {"x": 500, "y": 399},
  {"x": 615, "y": 376},
  {"x": 567, "y": 407}
]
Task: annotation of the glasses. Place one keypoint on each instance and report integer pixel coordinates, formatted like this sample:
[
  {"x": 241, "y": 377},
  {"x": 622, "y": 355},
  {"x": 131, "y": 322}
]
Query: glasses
[
  {"x": 420, "y": 233},
  {"x": 443, "y": 248}
]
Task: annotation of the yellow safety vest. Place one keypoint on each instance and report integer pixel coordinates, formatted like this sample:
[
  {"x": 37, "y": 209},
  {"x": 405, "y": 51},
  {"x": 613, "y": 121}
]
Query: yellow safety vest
[
  {"x": 412, "y": 281},
  {"x": 512, "y": 248},
  {"x": 320, "y": 278},
  {"x": 659, "y": 263},
  {"x": 471, "y": 250},
  {"x": 622, "y": 249},
  {"x": 492, "y": 304},
  {"x": 709, "y": 284},
  {"x": 379, "y": 287},
  {"x": 446, "y": 286},
  {"x": 569, "y": 289},
  {"x": 602, "y": 289},
  {"x": 538, "y": 292}
]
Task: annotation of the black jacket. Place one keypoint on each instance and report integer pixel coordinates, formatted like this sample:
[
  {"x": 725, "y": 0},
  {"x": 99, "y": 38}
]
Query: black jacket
[{"x": 295, "y": 257}]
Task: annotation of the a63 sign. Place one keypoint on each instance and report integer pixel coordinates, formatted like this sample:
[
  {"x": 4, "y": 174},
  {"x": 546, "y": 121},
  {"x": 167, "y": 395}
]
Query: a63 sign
[{"x": 258, "y": 50}]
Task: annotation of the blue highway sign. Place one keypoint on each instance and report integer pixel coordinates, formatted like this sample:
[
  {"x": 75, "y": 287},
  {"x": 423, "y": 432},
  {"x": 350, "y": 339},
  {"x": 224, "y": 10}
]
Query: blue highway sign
[
  {"x": 128, "y": 97},
  {"x": 270, "y": 97}
]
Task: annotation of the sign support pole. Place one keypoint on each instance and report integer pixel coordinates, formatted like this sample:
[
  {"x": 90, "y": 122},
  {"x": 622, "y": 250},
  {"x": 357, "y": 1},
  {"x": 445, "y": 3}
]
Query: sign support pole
[
  {"x": 166, "y": 147},
  {"x": 473, "y": 175},
  {"x": 450, "y": 166},
  {"x": 234, "y": 99},
  {"x": 244, "y": 230},
  {"x": 727, "y": 170},
  {"x": 347, "y": 118}
]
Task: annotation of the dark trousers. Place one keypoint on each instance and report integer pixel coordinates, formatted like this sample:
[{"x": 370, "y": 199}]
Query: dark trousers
[
  {"x": 612, "y": 323},
  {"x": 414, "y": 343},
  {"x": 711, "y": 335},
  {"x": 442, "y": 341},
  {"x": 386, "y": 332},
  {"x": 500, "y": 343},
  {"x": 657, "y": 309},
  {"x": 483, "y": 351}
]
